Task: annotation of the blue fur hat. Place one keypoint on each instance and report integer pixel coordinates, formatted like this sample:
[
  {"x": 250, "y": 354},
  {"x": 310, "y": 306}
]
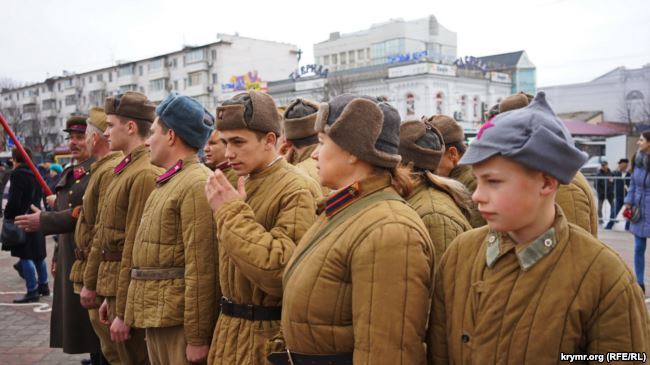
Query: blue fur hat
[{"x": 188, "y": 118}]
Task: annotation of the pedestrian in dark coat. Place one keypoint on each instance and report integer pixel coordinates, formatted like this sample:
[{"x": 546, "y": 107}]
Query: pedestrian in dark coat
[{"x": 23, "y": 193}]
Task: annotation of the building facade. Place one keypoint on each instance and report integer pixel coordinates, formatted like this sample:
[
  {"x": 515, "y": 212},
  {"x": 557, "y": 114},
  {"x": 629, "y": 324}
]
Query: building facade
[
  {"x": 622, "y": 95},
  {"x": 415, "y": 89},
  {"x": 516, "y": 64},
  {"x": 387, "y": 42},
  {"x": 209, "y": 73}
]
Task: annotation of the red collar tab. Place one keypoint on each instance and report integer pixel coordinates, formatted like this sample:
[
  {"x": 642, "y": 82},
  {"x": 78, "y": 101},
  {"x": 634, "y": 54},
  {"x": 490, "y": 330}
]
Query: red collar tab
[
  {"x": 122, "y": 165},
  {"x": 342, "y": 199},
  {"x": 171, "y": 172}
]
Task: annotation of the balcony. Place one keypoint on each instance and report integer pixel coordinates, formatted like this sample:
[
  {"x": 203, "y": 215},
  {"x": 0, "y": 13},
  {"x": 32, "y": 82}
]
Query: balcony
[
  {"x": 69, "y": 109},
  {"x": 157, "y": 96},
  {"x": 159, "y": 73},
  {"x": 196, "y": 90},
  {"x": 70, "y": 91},
  {"x": 97, "y": 85},
  {"x": 127, "y": 80},
  {"x": 28, "y": 100},
  {"x": 28, "y": 116},
  {"x": 48, "y": 95},
  {"x": 197, "y": 66},
  {"x": 49, "y": 113}
]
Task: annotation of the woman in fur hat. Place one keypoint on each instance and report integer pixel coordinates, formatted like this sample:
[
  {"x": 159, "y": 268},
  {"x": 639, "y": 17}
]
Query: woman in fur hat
[{"x": 357, "y": 288}]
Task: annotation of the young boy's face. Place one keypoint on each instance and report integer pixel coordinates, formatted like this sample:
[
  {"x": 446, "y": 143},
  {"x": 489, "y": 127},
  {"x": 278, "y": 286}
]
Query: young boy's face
[{"x": 509, "y": 196}]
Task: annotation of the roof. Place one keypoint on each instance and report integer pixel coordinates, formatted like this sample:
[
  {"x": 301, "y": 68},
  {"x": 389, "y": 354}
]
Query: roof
[
  {"x": 503, "y": 60},
  {"x": 584, "y": 116},
  {"x": 580, "y": 128}
]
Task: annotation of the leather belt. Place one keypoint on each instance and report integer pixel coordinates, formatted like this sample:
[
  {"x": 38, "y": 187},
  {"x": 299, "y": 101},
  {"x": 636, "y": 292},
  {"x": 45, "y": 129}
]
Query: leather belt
[
  {"x": 249, "y": 311},
  {"x": 114, "y": 256},
  {"x": 158, "y": 274},
  {"x": 80, "y": 254},
  {"x": 294, "y": 358}
]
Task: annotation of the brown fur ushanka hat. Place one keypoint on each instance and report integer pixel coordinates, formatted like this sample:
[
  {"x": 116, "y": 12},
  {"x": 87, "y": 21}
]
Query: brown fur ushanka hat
[
  {"x": 515, "y": 101},
  {"x": 131, "y": 104},
  {"x": 451, "y": 131},
  {"x": 300, "y": 119},
  {"x": 252, "y": 110},
  {"x": 421, "y": 143},
  {"x": 358, "y": 125}
]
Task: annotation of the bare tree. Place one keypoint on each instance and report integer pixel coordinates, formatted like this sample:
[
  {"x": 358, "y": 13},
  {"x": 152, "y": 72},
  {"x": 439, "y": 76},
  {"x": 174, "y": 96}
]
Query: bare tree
[
  {"x": 626, "y": 114},
  {"x": 336, "y": 85},
  {"x": 7, "y": 83}
]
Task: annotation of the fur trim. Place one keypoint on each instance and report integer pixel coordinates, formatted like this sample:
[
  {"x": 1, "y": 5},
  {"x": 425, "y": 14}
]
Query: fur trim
[
  {"x": 231, "y": 117},
  {"x": 303, "y": 127},
  {"x": 422, "y": 158}
]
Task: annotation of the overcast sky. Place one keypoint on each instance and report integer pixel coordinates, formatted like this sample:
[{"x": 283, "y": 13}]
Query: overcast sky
[{"x": 568, "y": 40}]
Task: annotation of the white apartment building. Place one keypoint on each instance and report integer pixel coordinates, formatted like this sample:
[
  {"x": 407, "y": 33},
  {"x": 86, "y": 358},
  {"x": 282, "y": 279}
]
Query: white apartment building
[
  {"x": 622, "y": 95},
  {"x": 209, "y": 73},
  {"x": 395, "y": 40}
]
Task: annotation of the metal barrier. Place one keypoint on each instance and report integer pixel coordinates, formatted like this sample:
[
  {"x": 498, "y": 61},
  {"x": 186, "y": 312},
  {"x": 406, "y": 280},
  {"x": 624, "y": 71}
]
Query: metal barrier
[{"x": 609, "y": 192}]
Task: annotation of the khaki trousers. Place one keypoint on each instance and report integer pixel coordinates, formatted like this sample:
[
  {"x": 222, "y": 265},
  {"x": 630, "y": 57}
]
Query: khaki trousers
[
  {"x": 134, "y": 350},
  {"x": 166, "y": 345},
  {"x": 109, "y": 349}
]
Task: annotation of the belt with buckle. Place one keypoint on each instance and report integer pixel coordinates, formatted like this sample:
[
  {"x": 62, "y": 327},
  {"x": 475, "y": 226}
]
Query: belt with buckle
[
  {"x": 294, "y": 358},
  {"x": 249, "y": 311},
  {"x": 114, "y": 256},
  {"x": 158, "y": 274}
]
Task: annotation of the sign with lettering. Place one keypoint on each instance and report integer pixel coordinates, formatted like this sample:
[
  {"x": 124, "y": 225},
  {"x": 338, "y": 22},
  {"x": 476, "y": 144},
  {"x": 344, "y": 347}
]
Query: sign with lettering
[
  {"x": 422, "y": 68},
  {"x": 500, "y": 77},
  {"x": 309, "y": 70},
  {"x": 406, "y": 57},
  {"x": 247, "y": 81}
]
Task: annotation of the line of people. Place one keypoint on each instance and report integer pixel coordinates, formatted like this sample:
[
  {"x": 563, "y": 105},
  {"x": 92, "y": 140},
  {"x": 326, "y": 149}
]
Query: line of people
[{"x": 335, "y": 233}]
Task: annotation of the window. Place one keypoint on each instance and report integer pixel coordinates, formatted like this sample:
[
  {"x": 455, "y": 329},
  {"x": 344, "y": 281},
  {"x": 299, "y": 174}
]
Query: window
[
  {"x": 214, "y": 54},
  {"x": 194, "y": 79},
  {"x": 71, "y": 100},
  {"x": 125, "y": 70},
  {"x": 214, "y": 79},
  {"x": 125, "y": 88},
  {"x": 96, "y": 97},
  {"x": 140, "y": 70},
  {"x": 410, "y": 104},
  {"x": 335, "y": 59},
  {"x": 59, "y": 87},
  {"x": 387, "y": 48},
  {"x": 90, "y": 79},
  {"x": 326, "y": 60},
  {"x": 342, "y": 57},
  {"x": 100, "y": 78},
  {"x": 142, "y": 89},
  {"x": 156, "y": 64},
  {"x": 351, "y": 57},
  {"x": 156, "y": 85},
  {"x": 110, "y": 76},
  {"x": 195, "y": 56},
  {"x": 174, "y": 62},
  {"x": 59, "y": 104},
  {"x": 361, "y": 54},
  {"x": 68, "y": 83},
  {"x": 49, "y": 104},
  {"x": 175, "y": 84}
]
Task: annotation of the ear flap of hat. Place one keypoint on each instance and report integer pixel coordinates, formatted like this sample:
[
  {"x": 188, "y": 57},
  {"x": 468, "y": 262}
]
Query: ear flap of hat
[
  {"x": 265, "y": 114},
  {"x": 231, "y": 117},
  {"x": 321, "y": 118}
]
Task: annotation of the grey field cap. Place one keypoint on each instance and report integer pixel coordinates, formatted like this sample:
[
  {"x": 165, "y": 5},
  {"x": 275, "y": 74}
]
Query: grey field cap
[{"x": 533, "y": 136}]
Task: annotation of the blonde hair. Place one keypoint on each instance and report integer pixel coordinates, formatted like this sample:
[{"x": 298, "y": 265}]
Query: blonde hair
[
  {"x": 455, "y": 189},
  {"x": 400, "y": 178}
]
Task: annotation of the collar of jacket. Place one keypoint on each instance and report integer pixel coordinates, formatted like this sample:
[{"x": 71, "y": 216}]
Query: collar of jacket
[
  {"x": 134, "y": 155},
  {"x": 419, "y": 184},
  {"x": 339, "y": 200},
  {"x": 178, "y": 167},
  {"x": 223, "y": 166},
  {"x": 499, "y": 244},
  {"x": 274, "y": 166},
  {"x": 97, "y": 164},
  {"x": 67, "y": 176},
  {"x": 298, "y": 157},
  {"x": 459, "y": 171}
]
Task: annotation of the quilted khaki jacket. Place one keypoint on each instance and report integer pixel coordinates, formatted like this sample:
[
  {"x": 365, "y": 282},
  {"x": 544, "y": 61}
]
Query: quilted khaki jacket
[
  {"x": 101, "y": 175},
  {"x": 577, "y": 201},
  {"x": 441, "y": 216},
  {"x": 364, "y": 287},
  {"x": 464, "y": 174},
  {"x": 256, "y": 239},
  {"x": 118, "y": 224},
  {"x": 177, "y": 231},
  {"x": 565, "y": 292}
]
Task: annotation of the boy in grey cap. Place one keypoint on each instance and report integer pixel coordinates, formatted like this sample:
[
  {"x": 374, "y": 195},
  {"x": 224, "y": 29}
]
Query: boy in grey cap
[{"x": 529, "y": 286}]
